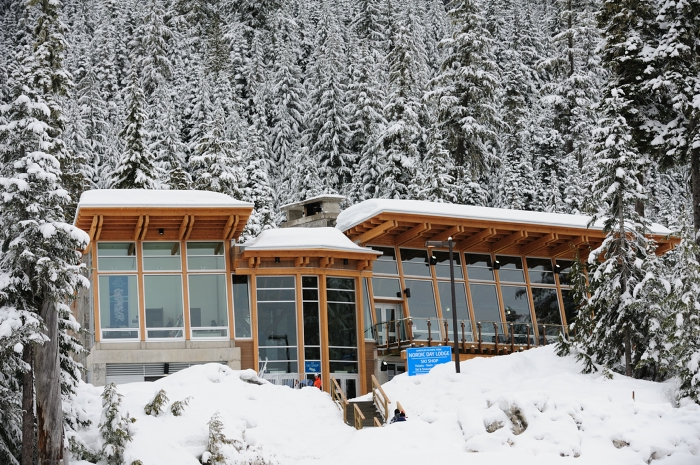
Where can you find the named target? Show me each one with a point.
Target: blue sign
(421, 359)
(312, 367)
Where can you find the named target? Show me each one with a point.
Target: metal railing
(380, 399)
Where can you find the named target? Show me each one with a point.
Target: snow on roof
(306, 239)
(318, 198)
(157, 198)
(363, 211)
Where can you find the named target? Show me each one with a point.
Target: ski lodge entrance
(339, 293)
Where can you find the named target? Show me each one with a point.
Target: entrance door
(348, 383)
(387, 315)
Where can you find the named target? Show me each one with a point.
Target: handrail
(339, 398)
(400, 407)
(359, 417)
(380, 399)
(377, 423)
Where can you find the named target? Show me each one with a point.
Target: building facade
(171, 287)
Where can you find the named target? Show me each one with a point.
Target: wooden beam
(301, 261)
(362, 265)
(451, 232)
(227, 227)
(664, 247)
(327, 261)
(138, 228)
(374, 233)
(411, 233)
(144, 230)
(233, 228)
(507, 241)
(253, 262)
(475, 239)
(568, 246)
(189, 227)
(99, 227)
(183, 227)
(93, 227)
(538, 244)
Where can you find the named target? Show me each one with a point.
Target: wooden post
(464, 347)
(528, 337)
(430, 334)
(495, 336)
(512, 339)
(447, 332)
(478, 326)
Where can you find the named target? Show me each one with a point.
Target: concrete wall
(159, 352)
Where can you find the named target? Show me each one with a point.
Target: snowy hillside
(565, 417)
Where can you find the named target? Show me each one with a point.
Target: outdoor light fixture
(277, 259)
(161, 231)
(345, 261)
(557, 268)
(407, 292)
(496, 265)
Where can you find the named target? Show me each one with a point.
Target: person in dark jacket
(397, 415)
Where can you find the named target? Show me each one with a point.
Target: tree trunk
(49, 411)
(628, 353)
(28, 435)
(695, 191)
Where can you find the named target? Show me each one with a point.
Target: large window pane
(116, 256)
(119, 308)
(479, 267)
(516, 304)
(421, 307)
(241, 307)
(385, 287)
(272, 282)
(564, 268)
(208, 305)
(485, 302)
(164, 308)
(161, 256)
(546, 304)
(540, 270)
(205, 256)
(442, 268)
(444, 288)
(369, 321)
(511, 269)
(570, 306)
(386, 263)
(277, 324)
(342, 326)
(414, 262)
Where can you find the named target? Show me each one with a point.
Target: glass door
(348, 384)
(387, 316)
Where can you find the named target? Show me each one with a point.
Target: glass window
(116, 256)
(479, 267)
(164, 308)
(277, 325)
(421, 307)
(570, 306)
(205, 256)
(485, 302)
(564, 268)
(342, 321)
(312, 325)
(208, 305)
(119, 309)
(510, 269)
(386, 263)
(384, 287)
(442, 268)
(546, 304)
(342, 360)
(414, 262)
(241, 307)
(445, 291)
(369, 321)
(161, 256)
(516, 304)
(540, 270)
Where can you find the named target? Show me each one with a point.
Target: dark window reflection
(485, 302)
(442, 269)
(386, 263)
(540, 270)
(479, 267)
(516, 304)
(414, 262)
(564, 269)
(511, 269)
(546, 306)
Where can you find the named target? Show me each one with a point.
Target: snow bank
(531, 408)
(363, 211)
(305, 239)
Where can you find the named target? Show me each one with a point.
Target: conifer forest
(570, 106)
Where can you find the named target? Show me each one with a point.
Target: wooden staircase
(369, 412)
(363, 413)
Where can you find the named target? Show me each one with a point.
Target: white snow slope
(570, 417)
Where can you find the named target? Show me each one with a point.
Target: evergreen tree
(466, 88)
(136, 168)
(627, 260)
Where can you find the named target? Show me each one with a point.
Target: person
(402, 417)
(317, 381)
(397, 415)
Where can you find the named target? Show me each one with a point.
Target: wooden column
(185, 291)
(323, 321)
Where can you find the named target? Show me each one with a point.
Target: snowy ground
(570, 418)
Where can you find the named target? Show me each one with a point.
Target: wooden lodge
(173, 286)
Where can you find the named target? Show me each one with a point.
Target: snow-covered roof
(363, 211)
(157, 198)
(305, 239)
(318, 198)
